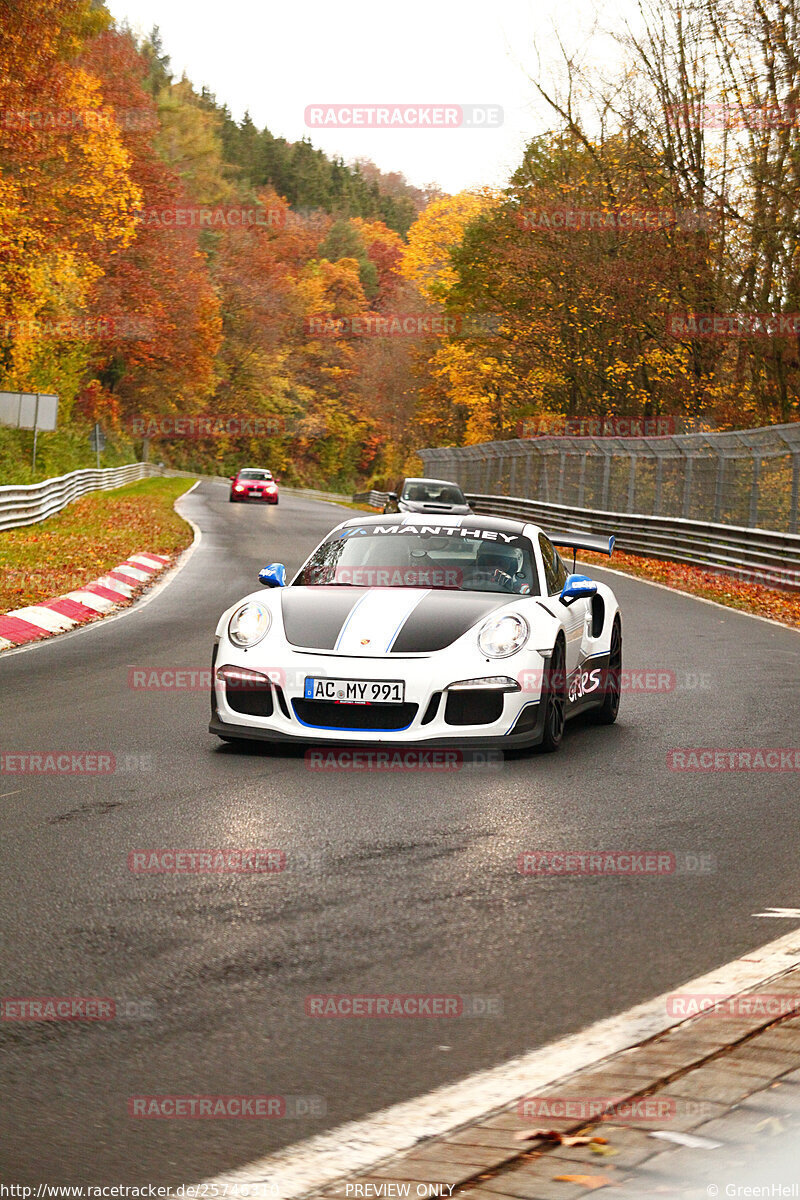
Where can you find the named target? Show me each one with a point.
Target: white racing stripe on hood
(379, 615)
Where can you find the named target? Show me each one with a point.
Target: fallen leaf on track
(553, 1135)
(589, 1181)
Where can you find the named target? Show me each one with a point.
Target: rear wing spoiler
(600, 543)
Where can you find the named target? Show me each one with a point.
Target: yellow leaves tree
(66, 197)
(434, 235)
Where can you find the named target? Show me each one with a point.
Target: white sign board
(28, 410)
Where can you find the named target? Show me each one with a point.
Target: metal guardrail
(756, 555)
(759, 555)
(311, 494)
(28, 504)
(376, 499)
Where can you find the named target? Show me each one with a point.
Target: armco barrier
(28, 504)
(376, 499)
(311, 494)
(761, 555)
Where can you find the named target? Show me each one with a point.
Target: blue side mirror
(273, 575)
(577, 587)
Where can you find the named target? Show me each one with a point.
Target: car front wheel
(554, 699)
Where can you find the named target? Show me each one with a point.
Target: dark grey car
(427, 496)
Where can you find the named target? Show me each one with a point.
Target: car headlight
(249, 624)
(503, 636)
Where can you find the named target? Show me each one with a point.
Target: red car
(253, 483)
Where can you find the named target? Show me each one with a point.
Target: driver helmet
(499, 558)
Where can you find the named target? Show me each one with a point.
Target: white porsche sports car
(407, 630)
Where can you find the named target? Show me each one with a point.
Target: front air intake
(477, 706)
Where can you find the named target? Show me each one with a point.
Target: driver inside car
(501, 566)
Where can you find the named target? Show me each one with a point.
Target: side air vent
(598, 615)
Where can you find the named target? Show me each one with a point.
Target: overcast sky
(276, 59)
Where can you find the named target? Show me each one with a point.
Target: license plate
(356, 691)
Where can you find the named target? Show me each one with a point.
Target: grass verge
(90, 537)
(747, 597)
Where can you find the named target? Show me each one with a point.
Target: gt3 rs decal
(583, 683)
(589, 682)
(377, 621)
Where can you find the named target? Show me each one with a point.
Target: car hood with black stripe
(373, 622)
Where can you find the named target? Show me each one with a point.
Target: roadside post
(97, 440)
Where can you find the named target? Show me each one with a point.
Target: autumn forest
(162, 262)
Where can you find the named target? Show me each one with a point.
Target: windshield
(433, 493)
(255, 475)
(469, 560)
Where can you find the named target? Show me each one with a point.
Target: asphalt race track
(402, 883)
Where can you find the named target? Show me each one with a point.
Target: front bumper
(519, 722)
(262, 497)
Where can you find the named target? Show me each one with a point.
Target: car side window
(561, 572)
(550, 565)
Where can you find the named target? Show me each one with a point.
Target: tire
(555, 700)
(606, 714)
